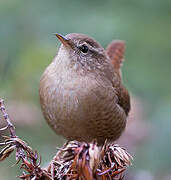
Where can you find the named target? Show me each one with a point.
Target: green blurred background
(27, 46)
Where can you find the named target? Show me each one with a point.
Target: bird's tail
(116, 50)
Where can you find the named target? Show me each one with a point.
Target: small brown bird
(81, 93)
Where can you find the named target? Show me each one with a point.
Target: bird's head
(81, 50)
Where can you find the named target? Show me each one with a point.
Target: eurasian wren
(81, 92)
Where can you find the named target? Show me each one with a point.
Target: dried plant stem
(9, 126)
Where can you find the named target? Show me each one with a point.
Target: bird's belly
(83, 112)
(69, 113)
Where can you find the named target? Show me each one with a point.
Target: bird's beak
(65, 41)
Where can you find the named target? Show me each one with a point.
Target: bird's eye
(83, 48)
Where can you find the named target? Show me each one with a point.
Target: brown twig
(9, 126)
(87, 161)
(28, 157)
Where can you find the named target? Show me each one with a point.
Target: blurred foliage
(28, 46)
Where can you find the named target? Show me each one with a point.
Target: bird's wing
(115, 50)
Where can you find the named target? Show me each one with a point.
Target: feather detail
(115, 50)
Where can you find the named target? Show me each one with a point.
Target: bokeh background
(27, 46)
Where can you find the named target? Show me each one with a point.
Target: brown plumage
(81, 93)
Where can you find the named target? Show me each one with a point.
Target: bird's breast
(65, 99)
